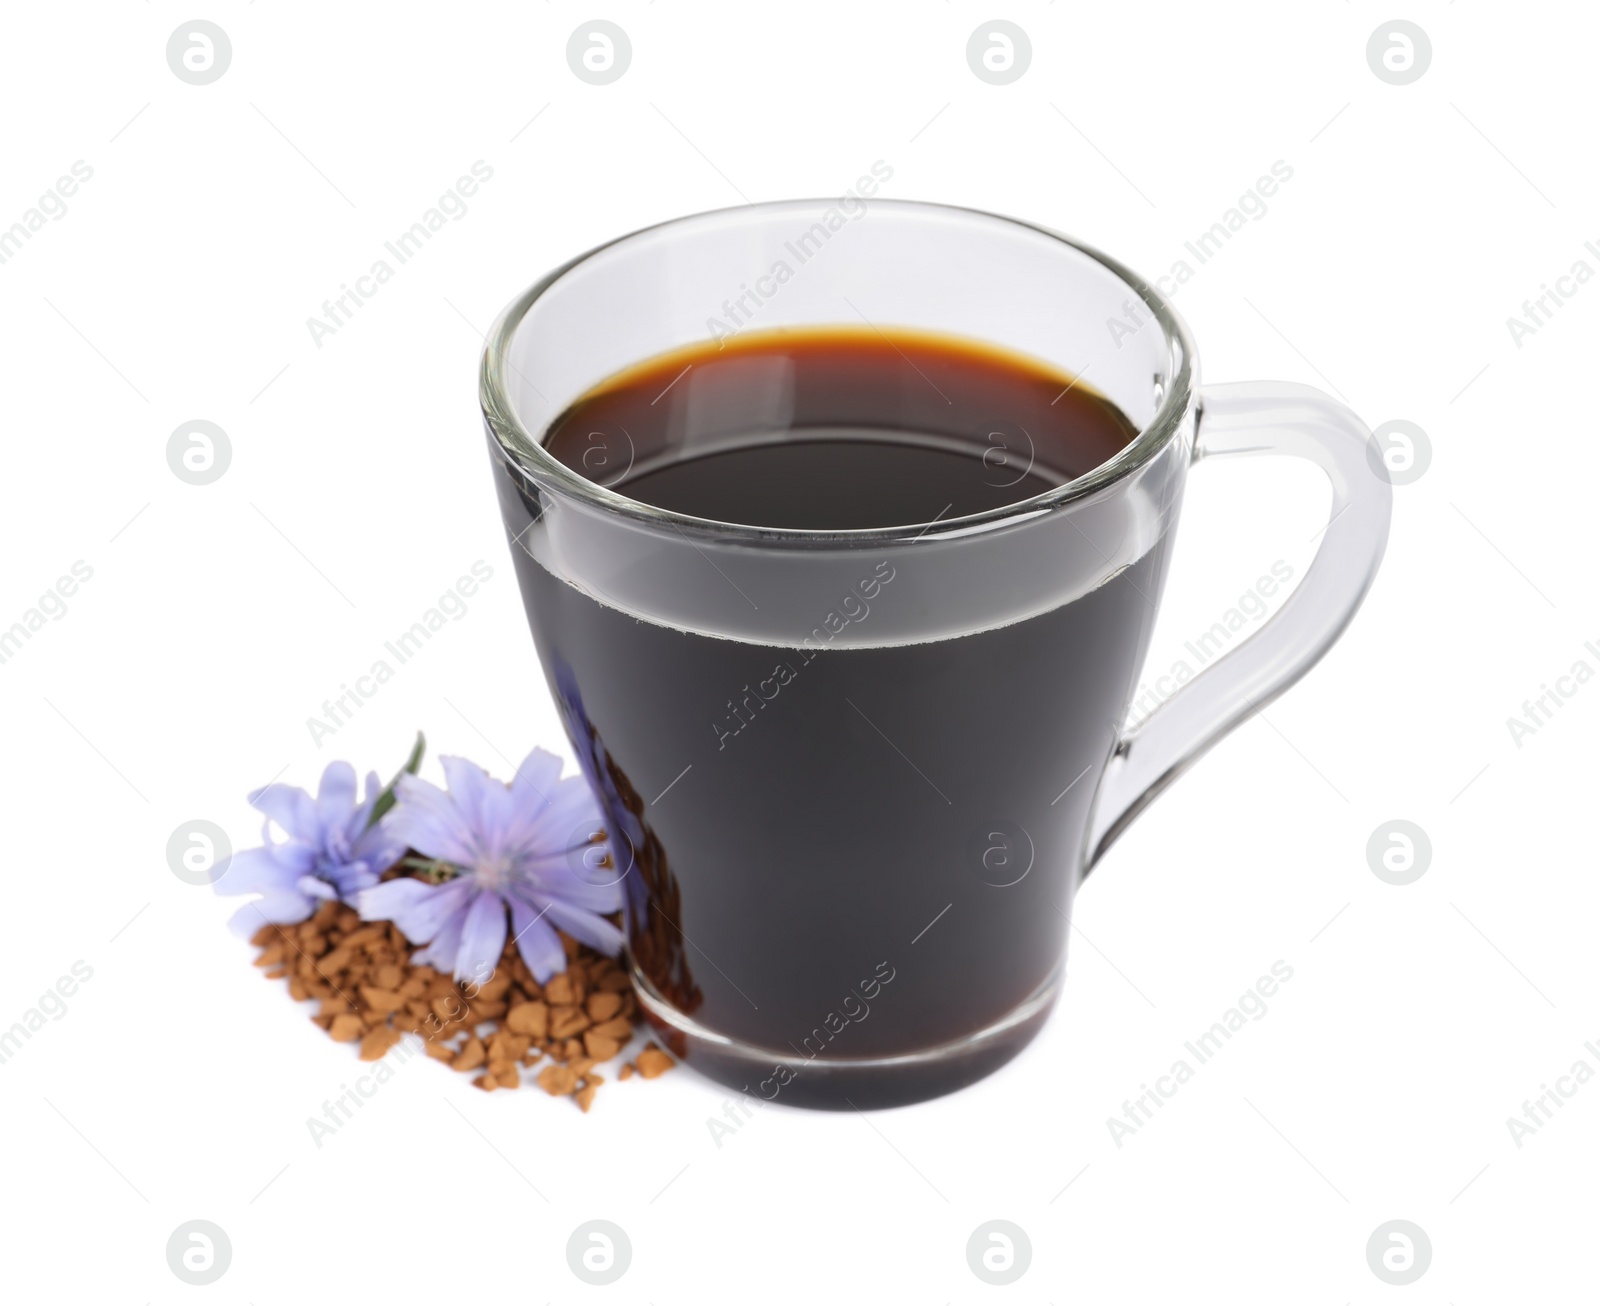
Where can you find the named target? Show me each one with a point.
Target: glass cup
(863, 898)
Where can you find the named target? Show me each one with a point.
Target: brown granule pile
(369, 992)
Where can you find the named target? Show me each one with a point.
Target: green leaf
(432, 869)
(386, 799)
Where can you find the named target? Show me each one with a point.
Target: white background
(219, 617)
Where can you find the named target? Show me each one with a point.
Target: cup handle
(1260, 417)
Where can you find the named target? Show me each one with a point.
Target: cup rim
(524, 450)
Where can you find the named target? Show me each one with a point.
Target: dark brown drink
(844, 852)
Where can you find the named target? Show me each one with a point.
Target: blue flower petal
(483, 938)
(537, 941)
(292, 809)
(292, 856)
(424, 818)
(336, 796)
(553, 824)
(536, 778)
(347, 882)
(377, 850)
(421, 910)
(486, 804)
(278, 907)
(312, 887)
(556, 877)
(585, 927)
(262, 870)
(441, 953)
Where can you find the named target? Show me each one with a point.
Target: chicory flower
(333, 850)
(520, 848)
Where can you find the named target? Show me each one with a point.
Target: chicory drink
(844, 852)
(838, 429)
